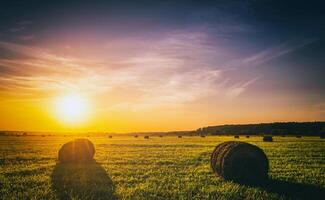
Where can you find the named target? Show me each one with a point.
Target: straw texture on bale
(268, 139)
(78, 150)
(240, 162)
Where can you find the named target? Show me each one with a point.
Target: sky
(160, 65)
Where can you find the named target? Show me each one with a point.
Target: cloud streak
(271, 53)
(177, 69)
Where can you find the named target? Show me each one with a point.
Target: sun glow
(72, 108)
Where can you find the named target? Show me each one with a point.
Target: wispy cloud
(35, 69)
(238, 88)
(26, 37)
(21, 26)
(320, 107)
(176, 69)
(271, 53)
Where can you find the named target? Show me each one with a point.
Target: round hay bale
(247, 136)
(202, 136)
(236, 136)
(160, 136)
(240, 162)
(298, 136)
(110, 136)
(179, 136)
(146, 137)
(136, 136)
(268, 139)
(78, 150)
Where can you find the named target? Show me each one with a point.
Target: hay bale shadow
(82, 181)
(293, 190)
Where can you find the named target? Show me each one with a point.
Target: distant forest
(278, 128)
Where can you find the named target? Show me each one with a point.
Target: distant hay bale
(160, 136)
(240, 162)
(179, 136)
(202, 136)
(283, 135)
(236, 136)
(146, 137)
(110, 136)
(78, 150)
(136, 136)
(268, 139)
(247, 136)
(298, 136)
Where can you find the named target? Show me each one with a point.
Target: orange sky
(40, 114)
(178, 81)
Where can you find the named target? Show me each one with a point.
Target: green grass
(155, 168)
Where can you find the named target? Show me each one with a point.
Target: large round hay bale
(78, 150)
(240, 162)
(268, 139)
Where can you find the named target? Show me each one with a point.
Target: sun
(72, 107)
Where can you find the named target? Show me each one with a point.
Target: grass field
(155, 168)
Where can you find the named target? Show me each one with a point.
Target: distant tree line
(278, 128)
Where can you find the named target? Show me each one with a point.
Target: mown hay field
(155, 168)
